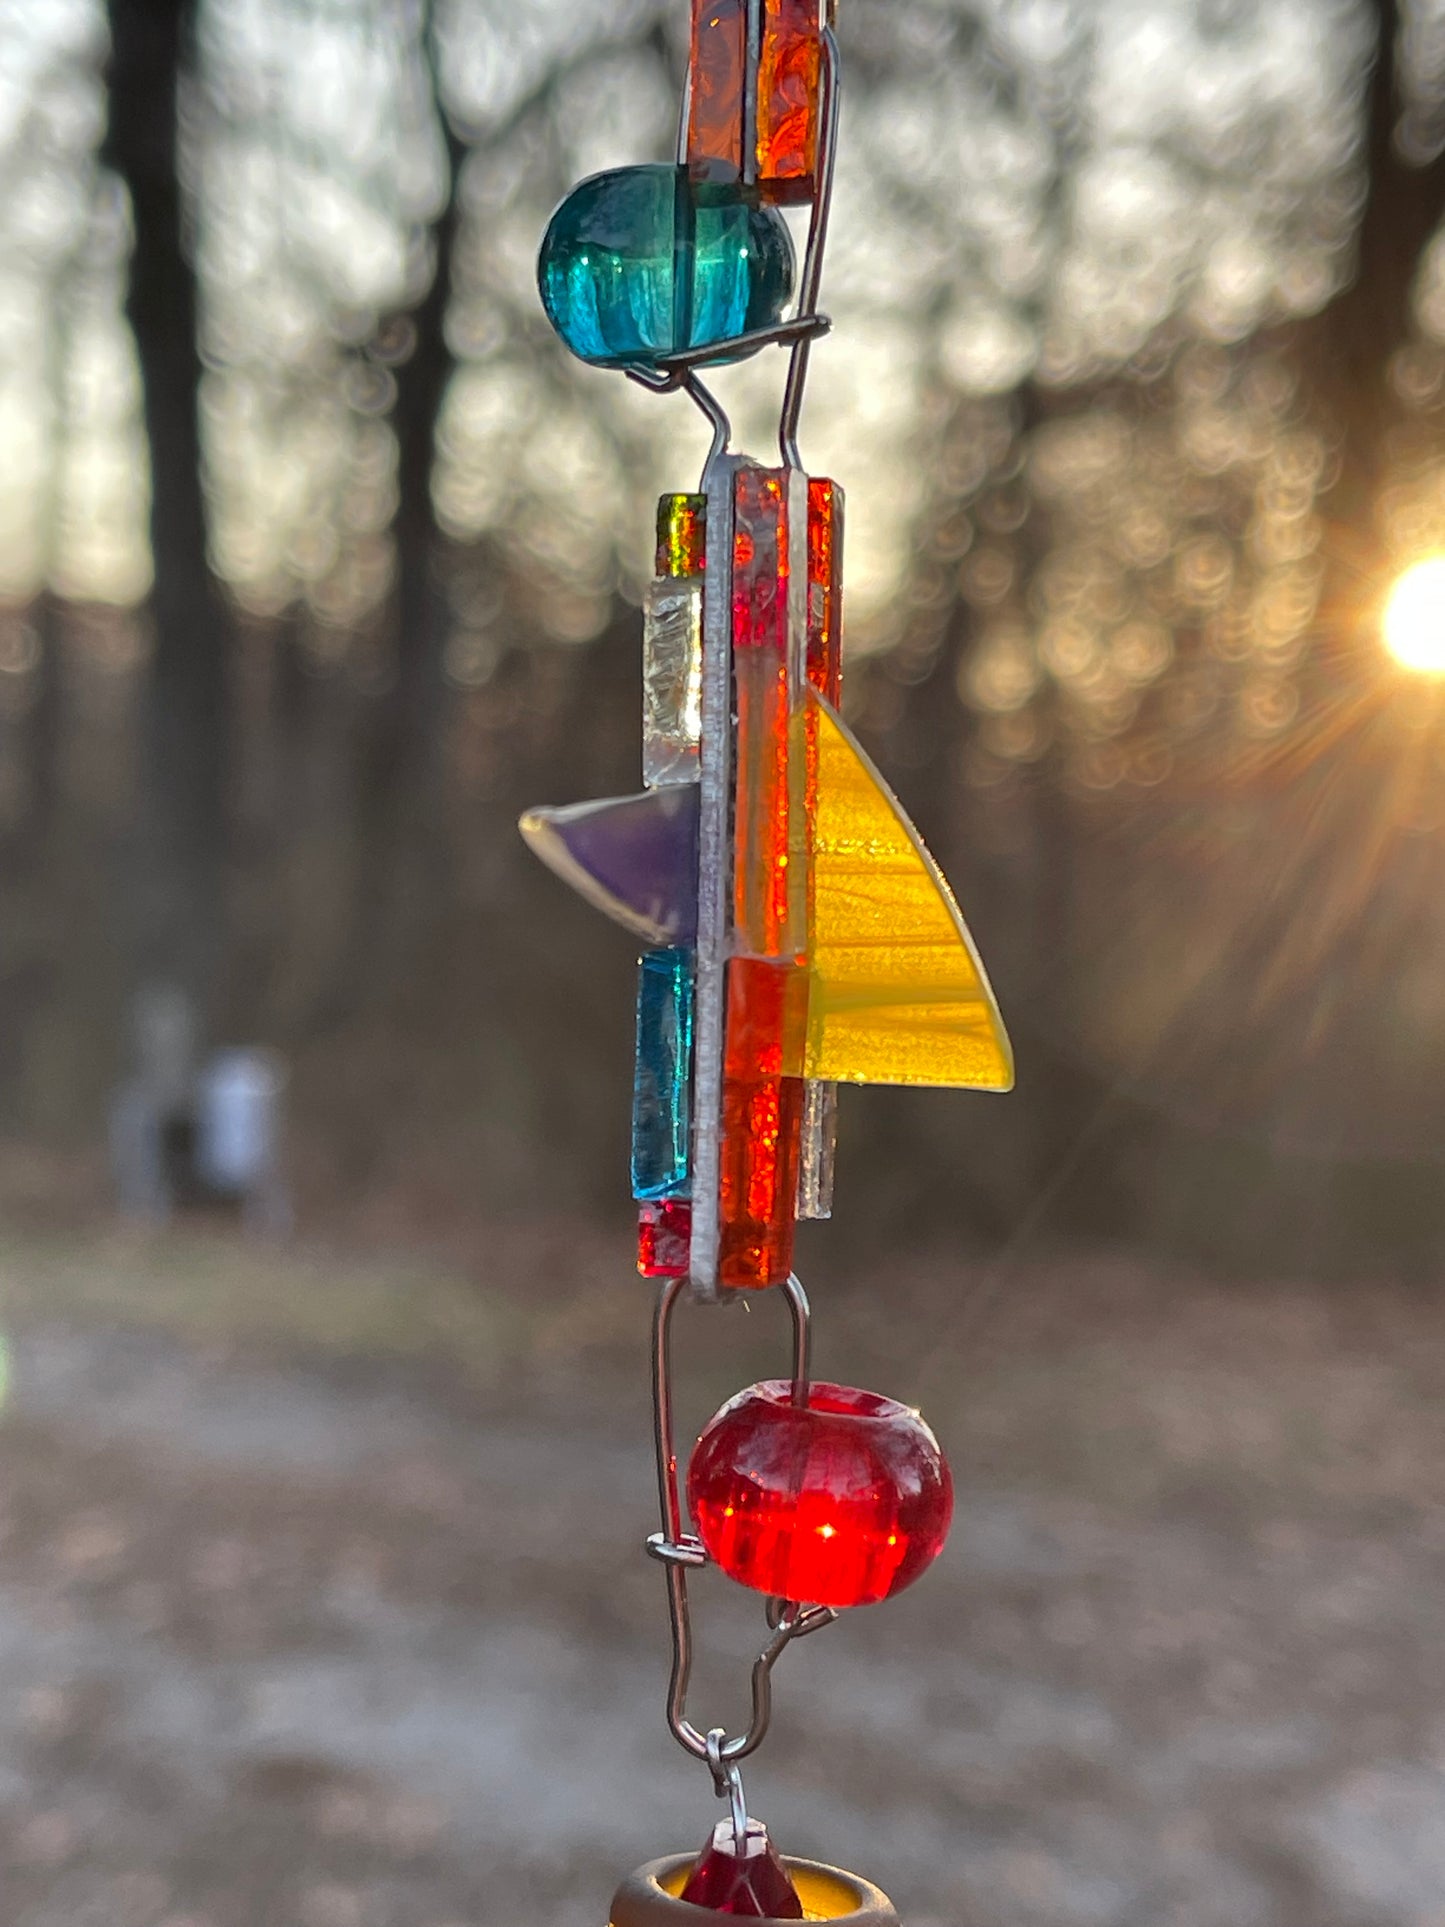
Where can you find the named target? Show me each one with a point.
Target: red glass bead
(664, 1238)
(744, 1876)
(840, 1502)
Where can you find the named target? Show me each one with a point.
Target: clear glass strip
(671, 682)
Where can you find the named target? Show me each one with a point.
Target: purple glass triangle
(634, 857)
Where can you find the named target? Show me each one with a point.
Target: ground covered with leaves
(322, 1600)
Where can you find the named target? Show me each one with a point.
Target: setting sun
(1414, 621)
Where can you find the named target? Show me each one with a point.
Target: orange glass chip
(789, 67)
(717, 72)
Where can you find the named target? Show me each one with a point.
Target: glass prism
(671, 681)
(743, 1877)
(637, 264)
(660, 1110)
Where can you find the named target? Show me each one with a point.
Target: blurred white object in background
(238, 1099)
(188, 1134)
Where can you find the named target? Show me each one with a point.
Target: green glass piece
(681, 534)
(638, 264)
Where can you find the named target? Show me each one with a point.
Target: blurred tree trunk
(405, 870)
(1349, 345)
(176, 907)
(421, 604)
(406, 742)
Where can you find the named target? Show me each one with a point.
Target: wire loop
(727, 1779)
(787, 1619)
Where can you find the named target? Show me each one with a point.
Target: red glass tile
(664, 1238)
(789, 66)
(841, 1502)
(716, 74)
(761, 1114)
(744, 1876)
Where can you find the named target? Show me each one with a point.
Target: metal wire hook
(679, 372)
(722, 428)
(678, 1551)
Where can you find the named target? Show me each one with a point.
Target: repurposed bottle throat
(798, 934)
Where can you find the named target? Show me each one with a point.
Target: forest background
(320, 560)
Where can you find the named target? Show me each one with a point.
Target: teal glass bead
(637, 264)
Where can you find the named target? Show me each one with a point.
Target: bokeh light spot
(1414, 622)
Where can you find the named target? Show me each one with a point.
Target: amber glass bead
(744, 1876)
(839, 1502)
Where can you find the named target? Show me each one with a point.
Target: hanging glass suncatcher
(798, 934)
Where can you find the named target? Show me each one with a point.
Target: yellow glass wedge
(896, 992)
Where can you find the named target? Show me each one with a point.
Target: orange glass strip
(769, 822)
(761, 1117)
(716, 78)
(825, 588)
(789, 66)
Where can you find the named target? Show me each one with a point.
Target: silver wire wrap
(787, 1619)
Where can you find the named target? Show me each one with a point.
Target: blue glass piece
(634, 857)
(639, 263)
(660, 1088)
